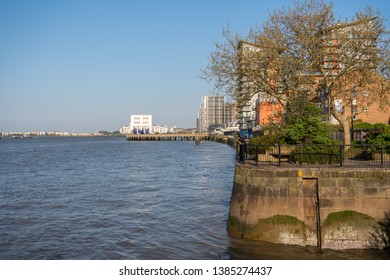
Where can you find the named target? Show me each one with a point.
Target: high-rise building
(215, 113)
(231, 114)
(211, 112)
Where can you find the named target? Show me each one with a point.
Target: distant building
(125, 130)
(215, 113)
(231, 114)
(211, 112)
(160, 129)
(141, 124)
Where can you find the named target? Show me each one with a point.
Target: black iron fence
(324, 155)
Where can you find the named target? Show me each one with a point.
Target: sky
(87, 65)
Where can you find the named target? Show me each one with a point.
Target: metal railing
(324, 155)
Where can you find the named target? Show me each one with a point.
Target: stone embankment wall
(329, 207)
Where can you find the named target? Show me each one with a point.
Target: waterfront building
(159, 129)
(125, 130)
(230, 115)
(247, 93)
(354, 103)
(358, 99)
(211, 112)
(214, 113)
(141, 124)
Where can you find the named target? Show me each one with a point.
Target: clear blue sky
(77, 65)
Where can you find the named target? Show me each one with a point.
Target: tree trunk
(347, 133)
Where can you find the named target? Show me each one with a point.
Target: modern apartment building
(358, 98)
(211, 112)
(231, 114)
(214, 112)
(353, 102)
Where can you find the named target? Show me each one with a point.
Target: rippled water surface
(107, 198)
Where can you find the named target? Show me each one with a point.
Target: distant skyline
(86, 66)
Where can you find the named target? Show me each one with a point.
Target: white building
(160, 129)
(141, 124)
(125, 130)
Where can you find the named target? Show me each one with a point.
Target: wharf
(170, 137)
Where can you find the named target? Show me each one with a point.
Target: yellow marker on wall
(300, 173)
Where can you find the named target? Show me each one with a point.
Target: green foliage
(303, 122)
(264, 143)
(380, 126)
(313, 154)
(363, 125)
(380, 139)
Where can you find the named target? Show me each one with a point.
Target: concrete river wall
(336, 208)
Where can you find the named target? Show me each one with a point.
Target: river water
(107, 198)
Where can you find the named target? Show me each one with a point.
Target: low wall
(329, 207)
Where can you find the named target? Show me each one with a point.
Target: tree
(305, 50)
(304, 122)
(300, 122)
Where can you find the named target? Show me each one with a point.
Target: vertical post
(237, 146)
(242, 155)
(353, 96)
(257, 153)
(318, 217)
(341, 155)
(279, 154)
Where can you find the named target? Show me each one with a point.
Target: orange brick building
(267, 110)
(360, 105)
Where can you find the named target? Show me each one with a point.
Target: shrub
(264, 143)
(380, 139)
(317, 154)
(363, 125)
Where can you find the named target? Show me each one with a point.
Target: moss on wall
(277, 229)
(348, 218)
(347, 229)
(233, 227)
